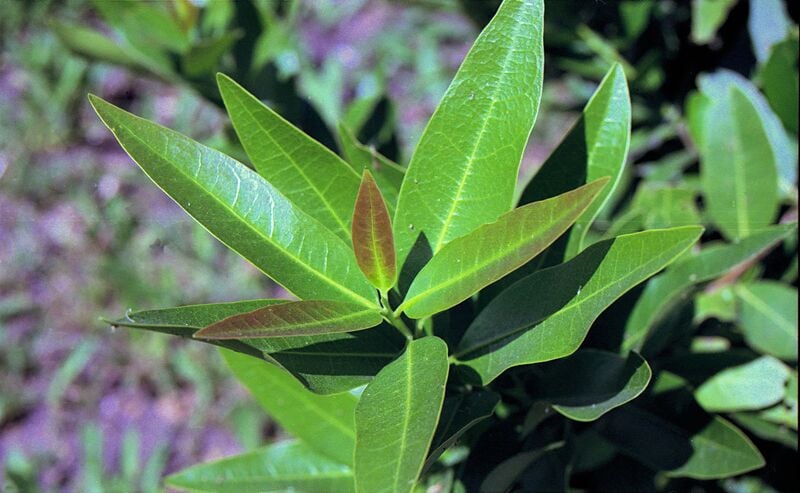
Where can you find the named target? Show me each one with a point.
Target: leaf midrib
(766, 310)
(314, 323)
(314, 273)
(406, 417)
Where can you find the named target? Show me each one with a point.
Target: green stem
(394, 319)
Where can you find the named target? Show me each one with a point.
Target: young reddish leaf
(296, 318)
(373, 240)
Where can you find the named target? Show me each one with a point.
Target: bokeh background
(84, 234)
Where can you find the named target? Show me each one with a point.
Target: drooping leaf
(460, 413)
(288, 465)
(388, 174)
(663, 291)
(765, 430)
(707, 17)
(716, 450)
(595, 147)
(242, 210)
(303, 170)
(325, 423)
(396, 418)
(373, 240)
(295, 318)
(589, 383)
(512, 331)
(754, 385)
(467, 264)
(768, 318)
(464, 170)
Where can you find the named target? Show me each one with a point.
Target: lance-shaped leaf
(295, 318)
(289, 465)
(483, 256)
(663, 291)
(242, 210)
(589, 383)
(326, 423)
(754, 385)
(388, 174)
(768, 318)
(305, 171)
(373, 240)
(397, 416)
(514, 331)
(464, 170)
(596, 146)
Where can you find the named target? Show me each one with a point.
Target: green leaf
(595, 147)
(781, 83)
(664, 206)
(464, 170)
(325, 423)
(373, 240)
(467, 264)
(768, 318)
(95, 45)
(295, 318)
(707, 17)
(765, 430)
(283, 466)
(460, 413)
(512, 331)
(203, 57)
(589, 383)
(242, 210)
(754, 385)
(503, 477)
(388, 174)
(738, 167)
(768, 23)
(303, 170)
(664, 291)
(713, 450)
(397, 416)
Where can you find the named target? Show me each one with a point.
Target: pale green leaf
(768, 318)
(707, 17)
(768, 24)
(754, 385)
(397, 416)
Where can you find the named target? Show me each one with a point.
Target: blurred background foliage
(83, 233)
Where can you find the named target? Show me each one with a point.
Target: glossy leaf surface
(373, 240)
(755, 385)
(325, 423)
(283, 466)
(303, 170)
(768, 318)
(589, 383)
(464, 169)
(663, 291)
(512, 331)
(474, 261)
(242, 210)
(595, 147)
(295, 318)
(396, 418)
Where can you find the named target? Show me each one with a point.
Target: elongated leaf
(513, 331)
(503, 477)
(242, 210)
(295, 318)
(388, 174)
(589, 383)
(765, 430)
(283, 466)
(325, 423)
(95, 45)
(716, 450)
(754, 385)
(460, 413)
(373, 240)
(768, 318)
(303, 170)
(464, 170)
(397, 416)
(781, 82)
(595, 147)
(474, 261)
(663, 291)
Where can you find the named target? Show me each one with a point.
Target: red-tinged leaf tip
(373, 240)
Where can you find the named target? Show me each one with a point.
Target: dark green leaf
(467, 264)
(512, 331)
(397, 416)
(464, 170)
(203, 58)
(242, 210)
(779, 78)
(503, 477)
(768, 318)
(373, 240)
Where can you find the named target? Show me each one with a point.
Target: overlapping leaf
(242, 210)
(388, 174)
(464, 170)
(754, 385)
(483, 256)
(768, 318)
(512, 330)
(373, 240)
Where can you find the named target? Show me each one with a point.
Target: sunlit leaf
(754, 385)
(768, 318)
(373, 240)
